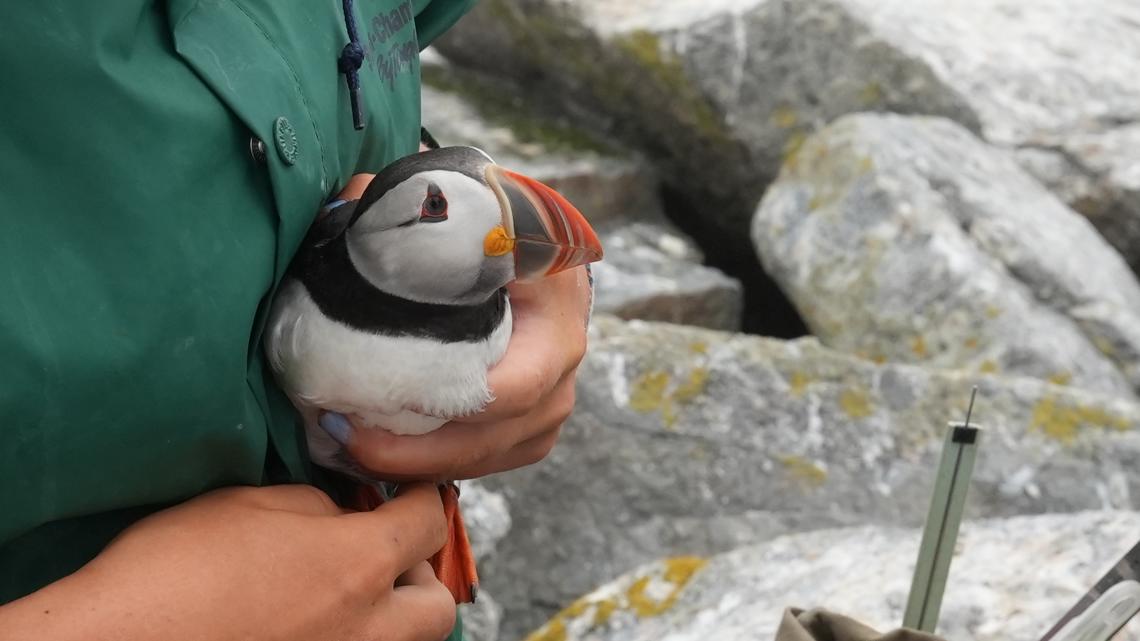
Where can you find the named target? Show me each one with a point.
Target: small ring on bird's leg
(452, 484)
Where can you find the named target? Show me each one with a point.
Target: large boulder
(1010, 579)
(908, 239)
(687, 441)
(651, 271)
(608, 183)
(1098, 174)
(719, 92)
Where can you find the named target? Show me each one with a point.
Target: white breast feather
(406, 385)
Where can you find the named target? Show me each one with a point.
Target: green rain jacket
(142, 242)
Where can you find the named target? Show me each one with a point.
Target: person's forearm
(282, 563)
(75, 608)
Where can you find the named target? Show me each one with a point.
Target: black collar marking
(345, 296)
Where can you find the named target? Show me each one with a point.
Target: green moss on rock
(496, 105)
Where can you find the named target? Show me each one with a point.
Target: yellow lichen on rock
(1061, 378)
(871, 94)
(577, 608)
(603, 610)
(650, 392)
(799, 383)
(692, 386)
(1104, 345)
(677, 573)
(918, 346)
(1063, 421)
(791, 151)
(680, 569)
(784, 117)
(650, 594)
(803, 470)
(554, 630)
(855, 403)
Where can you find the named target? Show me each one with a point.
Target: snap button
(257, 150)
(286, 138)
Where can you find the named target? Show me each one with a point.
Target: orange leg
(455, 564)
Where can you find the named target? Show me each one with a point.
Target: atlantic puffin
(395, 306)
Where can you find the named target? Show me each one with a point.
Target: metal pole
(947, 504)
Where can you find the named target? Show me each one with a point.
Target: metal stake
(959, 451)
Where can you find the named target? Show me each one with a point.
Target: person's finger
(300, 498)
(420, 573)
(437, 455)
(421, 609)
(410, 528)
(549, 340)
(526, 453)
(355, 187)
(534, 362)
(535, 448)
(457, 450)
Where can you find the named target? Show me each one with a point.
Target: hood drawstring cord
(349, 62)
(427, 139)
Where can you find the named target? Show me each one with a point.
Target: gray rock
(687, 441)
(720, 92)
(652, 272)
(486, 515)
(1098, 174)
(488, 519)
(605, 182)
(1010, 579)
(907, 239)
(483, 619)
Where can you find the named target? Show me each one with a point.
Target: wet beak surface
(550, 234)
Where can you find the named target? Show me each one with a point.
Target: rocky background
(825, 221)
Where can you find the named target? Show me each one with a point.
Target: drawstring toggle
(349, 62)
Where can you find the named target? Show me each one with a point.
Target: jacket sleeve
(433, 17)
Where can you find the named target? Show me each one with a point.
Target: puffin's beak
(546, 233)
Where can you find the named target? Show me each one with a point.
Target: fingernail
(336, 425)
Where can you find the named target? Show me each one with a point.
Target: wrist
(85, 605)
(57, 612)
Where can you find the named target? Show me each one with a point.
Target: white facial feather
(407, 385)
(430, 262)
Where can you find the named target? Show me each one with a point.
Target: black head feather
(468, 161)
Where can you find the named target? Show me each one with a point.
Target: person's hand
(533, 386)
(281, 563)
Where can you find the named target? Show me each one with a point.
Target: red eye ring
(434, 208)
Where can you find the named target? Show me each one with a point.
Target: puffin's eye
(434, 209)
